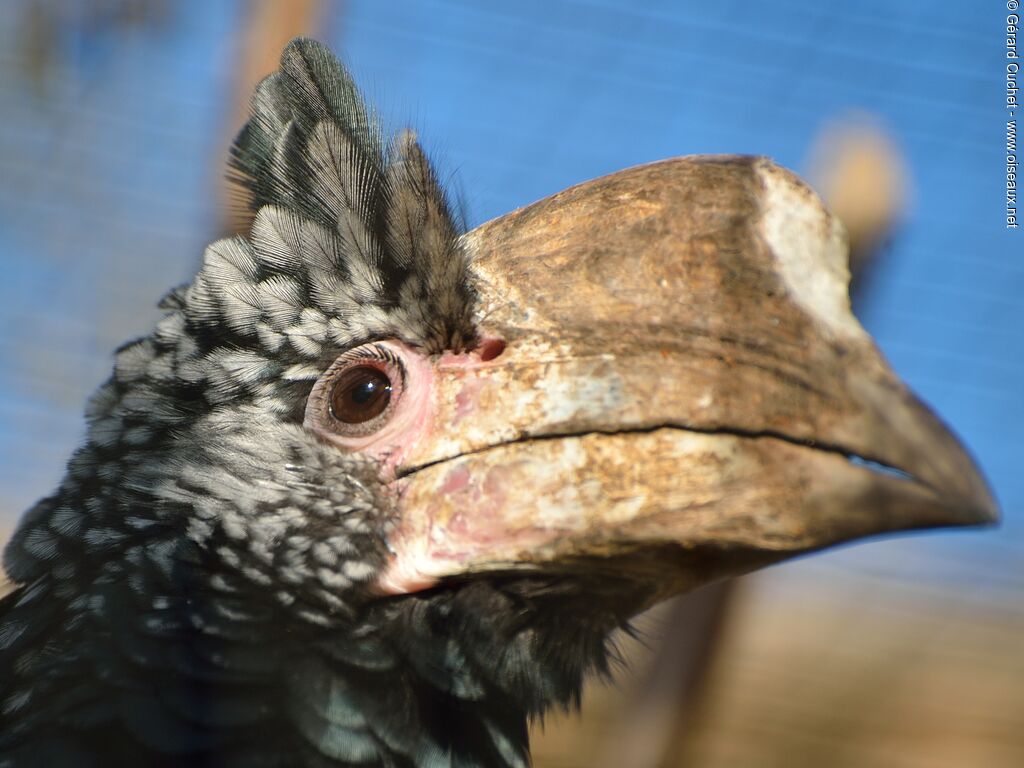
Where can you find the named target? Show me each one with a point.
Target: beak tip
(976, 508)
(977, 500)
(987, 512)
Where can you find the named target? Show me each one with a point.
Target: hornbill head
(375, 490)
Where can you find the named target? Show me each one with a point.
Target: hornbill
(375, 492)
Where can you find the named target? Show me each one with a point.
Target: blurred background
(116, 118)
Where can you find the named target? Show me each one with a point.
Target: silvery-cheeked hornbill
(374, 492)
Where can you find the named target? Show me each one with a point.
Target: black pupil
(360, 394)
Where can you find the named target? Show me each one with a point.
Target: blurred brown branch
(267, 26)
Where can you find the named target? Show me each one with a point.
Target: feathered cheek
(374, 400)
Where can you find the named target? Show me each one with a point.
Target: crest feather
(314, 151)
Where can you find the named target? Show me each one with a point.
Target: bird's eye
(372, 399)
(360, 394)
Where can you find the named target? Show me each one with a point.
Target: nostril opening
(490, 349)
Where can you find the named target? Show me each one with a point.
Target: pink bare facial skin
(420, 546)
(409, 420)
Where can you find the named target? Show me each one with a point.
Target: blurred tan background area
(820, 664)
(904, 653)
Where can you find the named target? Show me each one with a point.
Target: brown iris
(359, 394)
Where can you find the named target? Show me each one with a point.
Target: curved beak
(683, 391)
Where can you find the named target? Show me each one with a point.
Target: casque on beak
(683, 389)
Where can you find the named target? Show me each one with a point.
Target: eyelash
(374, 352)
